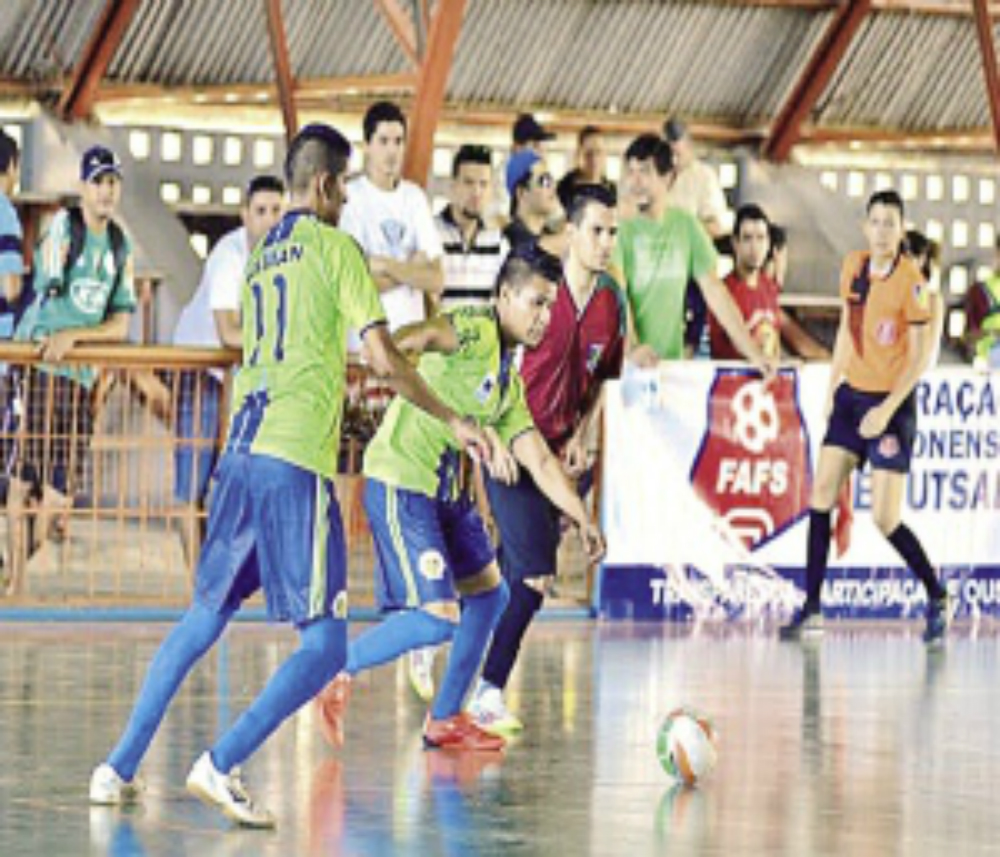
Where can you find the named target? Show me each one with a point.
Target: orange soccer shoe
(460, 732)
(331, 705)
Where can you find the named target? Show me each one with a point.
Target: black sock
(816, 557)
(521, 609)
(909, 548)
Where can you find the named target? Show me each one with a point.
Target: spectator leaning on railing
(83, 294)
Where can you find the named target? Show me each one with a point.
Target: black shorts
(528, 525)
(55, 424)
(893, 449)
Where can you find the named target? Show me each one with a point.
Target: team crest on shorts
(888, 446)
(753, 466)
(431, 565)
(340, 605)
(886, 332)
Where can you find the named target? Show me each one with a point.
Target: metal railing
(106, 474)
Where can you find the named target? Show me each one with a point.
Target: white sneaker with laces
(227, 793)
(490, 712)
(421, 669)
(109, 789)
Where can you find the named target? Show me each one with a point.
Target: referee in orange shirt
(885, 342)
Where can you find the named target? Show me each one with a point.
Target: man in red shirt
(756, 294)
(582, 348)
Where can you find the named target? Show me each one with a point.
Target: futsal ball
(686, 745)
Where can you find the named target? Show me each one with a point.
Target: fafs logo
(753, 466)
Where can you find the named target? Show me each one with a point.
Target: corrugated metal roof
(912, 72)
(710, 60)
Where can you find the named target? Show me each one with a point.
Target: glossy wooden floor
(861, 745)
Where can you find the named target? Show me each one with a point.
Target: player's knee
(327, 637)
(527, 595)
(499, 597)
(536, 584)
(886, 520)
(440, 620)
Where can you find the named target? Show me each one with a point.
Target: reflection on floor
(862, 744)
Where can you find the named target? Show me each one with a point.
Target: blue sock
(480, 614)
(190, 639)
(401, 632)
(320, 656)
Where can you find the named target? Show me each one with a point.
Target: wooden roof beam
(984, 31)
(282, 67)
(432, 80)
(402, 28)
(814, 78)
(78, 97)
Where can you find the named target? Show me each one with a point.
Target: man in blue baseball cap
(83, 294)
(533, 200)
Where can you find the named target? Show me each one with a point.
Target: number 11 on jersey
(264, 300)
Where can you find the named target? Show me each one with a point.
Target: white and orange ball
(687, 745)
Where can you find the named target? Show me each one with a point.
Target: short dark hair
(264, 184)
(888, 198)
(779, 238)
(316, 149)
(379, 112)
(9, 152)
(918, 244)
(471, 154)
(649, 147)
(585, 195)
(528, 261)
(587, 132)
(751, 212)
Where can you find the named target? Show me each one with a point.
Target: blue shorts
(198, 397)
(529, 525)
(422, 545)
(892, 450)
(274, 526)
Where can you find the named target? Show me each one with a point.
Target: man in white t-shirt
(695, 185)
(391, 219)
(211, 319)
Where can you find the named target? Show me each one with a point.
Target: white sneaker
(490, 712)
(421, 668)
(226, 793)
(109, 789)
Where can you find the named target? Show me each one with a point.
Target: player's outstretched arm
(436, 334)
(391, 366)
(724, 308)
(532, 452)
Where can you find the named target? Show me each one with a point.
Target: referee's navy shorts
(892, 450)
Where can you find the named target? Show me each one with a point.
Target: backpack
(78, 238)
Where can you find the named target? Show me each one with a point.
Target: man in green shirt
(431, 544)
(275, 523)
(657, 253)
(83, 294)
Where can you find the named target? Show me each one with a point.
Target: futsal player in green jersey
(432, 548)
(275, 523)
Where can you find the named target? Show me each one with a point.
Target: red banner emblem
(753, 467)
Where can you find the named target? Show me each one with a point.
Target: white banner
(707, 468)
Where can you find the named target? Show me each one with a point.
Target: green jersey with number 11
(306, 284)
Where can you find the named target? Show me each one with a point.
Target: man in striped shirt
(473, 251)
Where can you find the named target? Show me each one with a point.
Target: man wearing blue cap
(83, 294)
(533, 200)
